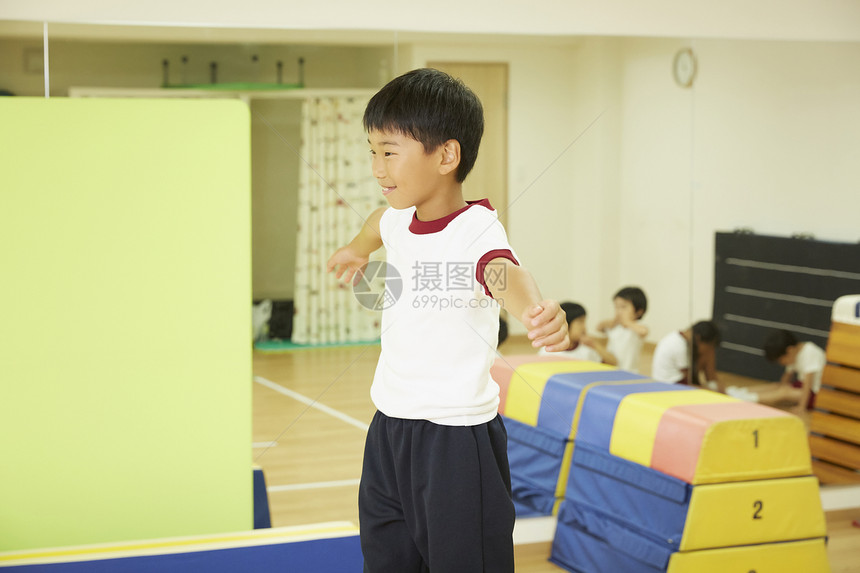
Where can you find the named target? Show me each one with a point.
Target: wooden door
(489, 177)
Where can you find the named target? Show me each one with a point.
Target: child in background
(582, 346)
(435, 490)
(624, 332)
(672, 356)
(804, 364)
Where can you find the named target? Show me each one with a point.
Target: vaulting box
(504, 366)
(844, 337)
(540, 414)
(525, 401)
(686, 518)
(580, 545)
(807, 555)
(695, 435)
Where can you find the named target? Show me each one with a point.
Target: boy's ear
(450, 151)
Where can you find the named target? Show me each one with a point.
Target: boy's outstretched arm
(349, 259)
(517, 292)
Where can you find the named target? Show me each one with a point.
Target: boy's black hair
(431, 107)
(776, 344)
(572, 311)
(636, 296)
(706, 331)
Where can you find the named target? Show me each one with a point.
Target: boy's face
(405, 171)
(577, 329)
(624, 309)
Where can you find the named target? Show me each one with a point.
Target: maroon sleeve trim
(485, 260)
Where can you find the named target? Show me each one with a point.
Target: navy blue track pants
(436, 498)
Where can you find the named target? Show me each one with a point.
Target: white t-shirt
(671, 358)
(810, 359)
(626, 346)
(579, 352)
(439, 338)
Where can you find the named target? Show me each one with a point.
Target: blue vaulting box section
(540, 444)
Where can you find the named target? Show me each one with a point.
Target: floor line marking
(257, 445)
(310, 402)
(314, 485)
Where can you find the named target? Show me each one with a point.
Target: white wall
(767, 138)
(655, 170)
(788, 19)
(638, 198)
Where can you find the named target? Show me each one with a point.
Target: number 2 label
(758, 505)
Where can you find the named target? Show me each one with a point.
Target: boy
(804, 364)
(624, 332)
(435, 491)
(582, 346)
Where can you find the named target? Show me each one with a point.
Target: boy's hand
(346, 263)
(547, 326)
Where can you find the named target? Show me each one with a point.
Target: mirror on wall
(775, 126)
(616, 160)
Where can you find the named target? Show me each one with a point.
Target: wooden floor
(311, 410)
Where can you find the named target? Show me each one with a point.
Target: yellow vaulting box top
(525, 391)
(702, 437)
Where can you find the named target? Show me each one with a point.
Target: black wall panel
(762, 283)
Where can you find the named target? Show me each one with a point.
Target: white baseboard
(534, 529)
(835, 497)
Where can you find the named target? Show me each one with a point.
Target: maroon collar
(427, 227)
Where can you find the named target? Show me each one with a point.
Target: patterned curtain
(336, 193)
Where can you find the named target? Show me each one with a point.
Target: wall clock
(684, 67)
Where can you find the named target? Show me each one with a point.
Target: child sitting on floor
(679, 349)
(624, 332)
(582, 346)
(804, 363)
